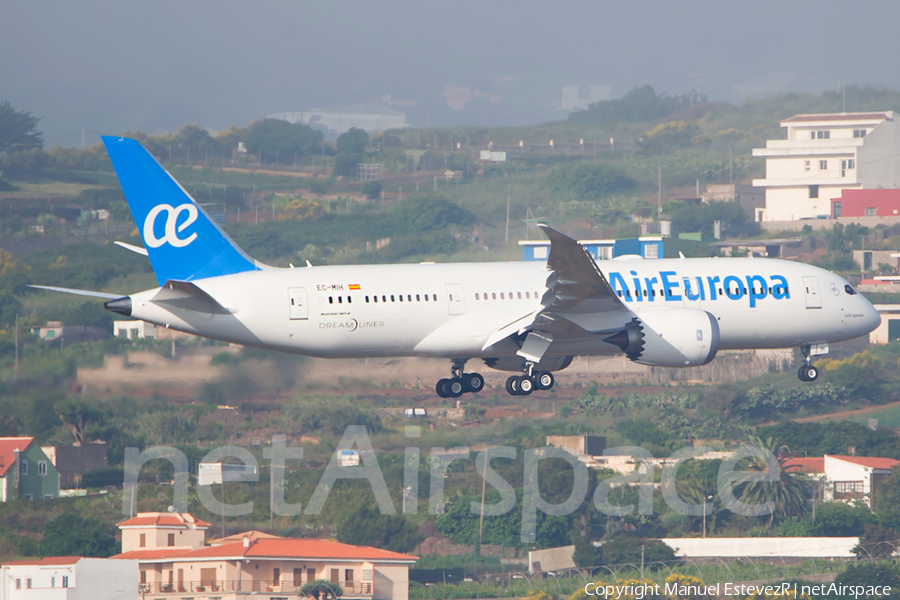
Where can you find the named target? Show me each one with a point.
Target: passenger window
(340, 299)
(476, 296)
(418, 298)
(392, 298)
(527, 295)
(426, 297)
(409, 297)
(367, 299)
(330, 300)
(628, 293)
(384, 298)
(519, 295)
(349, 299)
(401, 297)
(849, 289)
(434, 297)
(502, 296)
(494, 295)
(620, 294)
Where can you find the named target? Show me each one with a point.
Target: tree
(366, 526)
(589, 181)
(353, 141)
(877, 541)
(70, 534)
(586, 554)
(321, 588)
(277, 140)
(372, 189)
(76, 415)
(18, 129)
(624, 550)
(787, 493)
(418, 214)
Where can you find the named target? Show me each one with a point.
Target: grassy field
(49, 188)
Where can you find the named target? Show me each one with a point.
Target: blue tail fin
(181, 239)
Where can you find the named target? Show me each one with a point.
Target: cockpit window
(849, 289)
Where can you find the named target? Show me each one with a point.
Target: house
(646, 246)
(133, 330)
(174, 561)
(66, 335)
(369, 116)
(844, 478)
(72, 462)
(823, 155)
(889, 330)
(25, 471)
(70, 578)
(866, 203)
(752, 199)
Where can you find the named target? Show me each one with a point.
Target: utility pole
(16, 369)
(659, 195)
(508, 186)
(730, 165)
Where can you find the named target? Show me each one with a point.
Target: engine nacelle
(669, 337)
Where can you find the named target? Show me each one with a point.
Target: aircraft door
(299, 308)
(813, 299)
(456, 299)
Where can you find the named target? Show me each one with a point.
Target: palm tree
(787, 493)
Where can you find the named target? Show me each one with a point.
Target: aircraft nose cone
(873, 318)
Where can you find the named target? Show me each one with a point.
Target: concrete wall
(552, 559)
(88, 579)
(870, 222)
(799, 547)
(879, 157)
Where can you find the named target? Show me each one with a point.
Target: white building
(579, 97)
(823, 155)
(133, 330)
(845, 478)
(371, 117)
(70, 578)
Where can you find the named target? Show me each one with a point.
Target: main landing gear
(530, 380)
(807, 372)
(459, 383)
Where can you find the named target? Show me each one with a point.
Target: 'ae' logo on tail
(172, 228)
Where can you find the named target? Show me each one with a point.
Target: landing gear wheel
(808, 373)
(455, 387)
(441, 388)
(526, 385)
(512, 386)
(545, 380)
(473, 382)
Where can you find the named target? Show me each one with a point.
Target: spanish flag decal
(354, 286)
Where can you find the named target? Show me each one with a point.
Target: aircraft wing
(578, 300)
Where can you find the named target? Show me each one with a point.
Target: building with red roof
(844, 478)
(25, 471)
(175, 560)
(69, 578)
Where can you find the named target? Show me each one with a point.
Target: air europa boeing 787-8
(528, 317)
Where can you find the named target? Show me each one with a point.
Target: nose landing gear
(530, 380)
(459, 383)
(807, 372)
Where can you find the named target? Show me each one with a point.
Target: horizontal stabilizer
(77, 292)
(135, 249)
(188, 296)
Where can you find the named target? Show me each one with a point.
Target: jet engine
(669, 337)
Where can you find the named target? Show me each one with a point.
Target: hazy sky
(112, 66)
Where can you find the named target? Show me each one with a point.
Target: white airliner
(528, 317)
